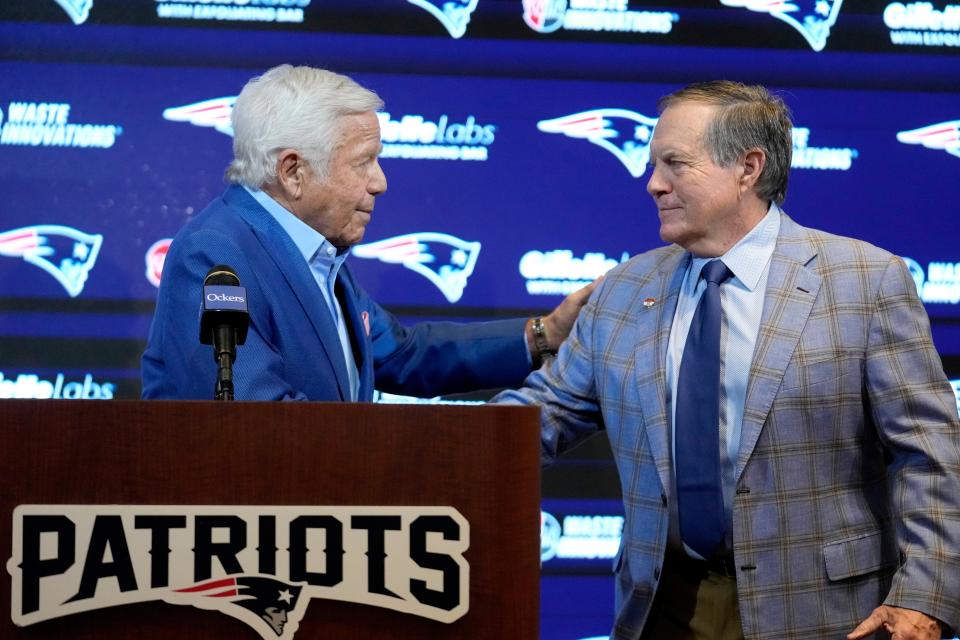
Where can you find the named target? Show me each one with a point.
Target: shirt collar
(749, 257)
(311, 243)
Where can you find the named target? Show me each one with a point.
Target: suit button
(663, 499)
(656, 573)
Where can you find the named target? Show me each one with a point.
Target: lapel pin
(649, 302)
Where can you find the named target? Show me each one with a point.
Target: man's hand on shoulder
(902, 624)
(555, 327)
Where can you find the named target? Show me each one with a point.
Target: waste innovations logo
(444, 260)
(943, 136)
(47, 124)
(155, 257)
(822, 158)
(454, 15)
(559, 272)
(547, 16)
(579, 537)
(32, 386)
(78, 10)
(626, 134)
(206, 113)
(939, 283)
(259, 564)
(812, 18)
(290, 11)
(65, 253)
(414, 137)
(921, 24)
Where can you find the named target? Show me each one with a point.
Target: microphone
(223, 323)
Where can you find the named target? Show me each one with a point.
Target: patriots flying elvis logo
(64, 252)
(275, 606)
(812, 18)
(454, 15)
(207, 113)
(78, 10)
(943, 135)
(626, 134)
(444, 260)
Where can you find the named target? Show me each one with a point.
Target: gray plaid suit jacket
(848, 478)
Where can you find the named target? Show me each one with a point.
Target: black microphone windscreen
(221, 275)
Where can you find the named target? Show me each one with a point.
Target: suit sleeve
(175, 364)
(565, 388)
(914, 409)
(435, 358)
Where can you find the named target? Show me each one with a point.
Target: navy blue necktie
(697, 426)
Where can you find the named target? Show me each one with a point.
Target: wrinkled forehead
(682, 126)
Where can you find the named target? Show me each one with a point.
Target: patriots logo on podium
(626, 134)
(812, 18)
(444, 260)
(64, 252)
(454, 15)
(272, 607)
(943, 135)
(208, 113)
(78, 10)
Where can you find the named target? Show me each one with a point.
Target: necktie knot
(715, 272)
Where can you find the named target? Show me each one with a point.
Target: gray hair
(749, 117)
(291, 108)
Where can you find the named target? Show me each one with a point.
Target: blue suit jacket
(848, 476)
(293, 350)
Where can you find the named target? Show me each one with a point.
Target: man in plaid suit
(837, 441)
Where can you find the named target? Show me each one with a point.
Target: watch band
(540, 340)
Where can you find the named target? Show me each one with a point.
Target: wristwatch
(540, 340)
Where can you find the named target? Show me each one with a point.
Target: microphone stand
(226, 342)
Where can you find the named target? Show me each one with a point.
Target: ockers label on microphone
(223, 298)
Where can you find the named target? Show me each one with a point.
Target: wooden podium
(483, 461)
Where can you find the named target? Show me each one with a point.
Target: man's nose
(378, 183)
(656, 185)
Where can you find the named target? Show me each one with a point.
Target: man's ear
(754, 160)
(291, 174)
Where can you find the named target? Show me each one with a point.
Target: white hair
(291, 108)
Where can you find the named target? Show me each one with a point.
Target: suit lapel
(651, 355)
(284, 253)
(359, 330)
(791, 291)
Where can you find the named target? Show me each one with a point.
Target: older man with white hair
(304, 180)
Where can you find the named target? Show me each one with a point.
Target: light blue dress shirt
(324, 261)
(741, 299)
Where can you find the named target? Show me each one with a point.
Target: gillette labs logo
(823, 158)
(413, 137)
(939, 284)
(579, 537)
(32, 386)
(921, 24)
(559, 272)
(233, 10)
(546, 16)
(812, 18)
(47, 124)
